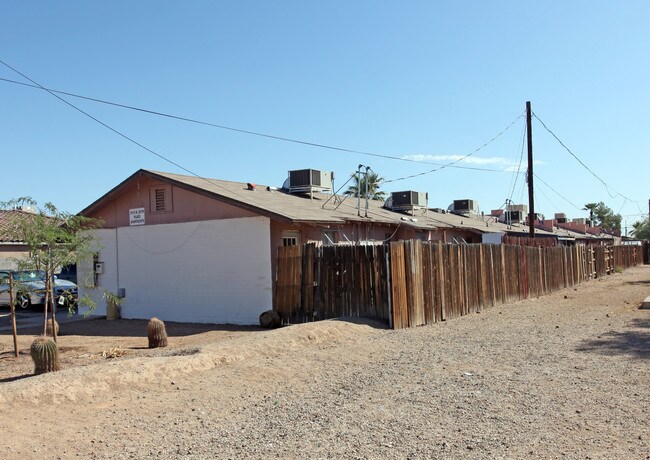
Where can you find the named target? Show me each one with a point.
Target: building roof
(318, 207)
(7, 221)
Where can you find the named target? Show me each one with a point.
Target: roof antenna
(359, 191)
(367, 169)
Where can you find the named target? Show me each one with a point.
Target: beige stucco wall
(9, 252)
(186, 206)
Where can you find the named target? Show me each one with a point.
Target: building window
(160, 198)
(328, 237)
(290, 238)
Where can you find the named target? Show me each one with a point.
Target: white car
(29, 286)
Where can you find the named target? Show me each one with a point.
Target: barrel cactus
(270, 319)
(156, 333)
(48, 328)
(45, 355)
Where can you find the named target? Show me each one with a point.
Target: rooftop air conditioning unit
(518, 207)
(409, 198)
(29, 209)
(512, 216)
(560, 215)
(305, 179)
(465, 205)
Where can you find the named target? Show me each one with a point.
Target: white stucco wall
(215, 271)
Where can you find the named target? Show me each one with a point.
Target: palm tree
(641, 229)
(374, 182)
(591, 207)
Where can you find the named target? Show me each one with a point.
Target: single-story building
(187, 248)
(10, 249)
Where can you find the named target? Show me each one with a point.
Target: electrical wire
(230, 128)
(452, 164)
(555, 191)
(547, 198)
(459, 159)
(607, 187)
(521, 158)
(215, 125)
(119, 133)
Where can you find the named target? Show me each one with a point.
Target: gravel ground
(562, 376)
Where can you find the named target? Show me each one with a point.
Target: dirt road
(563, 376)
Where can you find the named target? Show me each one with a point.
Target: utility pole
(531, 198)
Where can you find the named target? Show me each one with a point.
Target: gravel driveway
(563, 376)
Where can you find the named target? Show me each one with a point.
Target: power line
(607, 187)
(113, 129)
(452, 164)
(547, 198)
(521, 156)
(255, 133)
(555, 191)
(459, 159)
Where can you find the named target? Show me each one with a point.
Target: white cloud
(449, 158)
(508, 165)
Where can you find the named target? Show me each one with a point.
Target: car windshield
(35, 275)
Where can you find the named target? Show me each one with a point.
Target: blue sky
(429, 81)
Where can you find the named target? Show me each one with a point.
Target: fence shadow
(634, 341)
(638, 283)
(373, 323)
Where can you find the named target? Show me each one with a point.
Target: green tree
(359, 186)
(54, 239)
(641, 229)
(602, 216)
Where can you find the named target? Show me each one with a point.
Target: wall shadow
(633, 341)
(100, 327)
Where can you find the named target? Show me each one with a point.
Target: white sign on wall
(136, 216)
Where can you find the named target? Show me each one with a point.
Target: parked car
(69, 273)
(30, 289)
